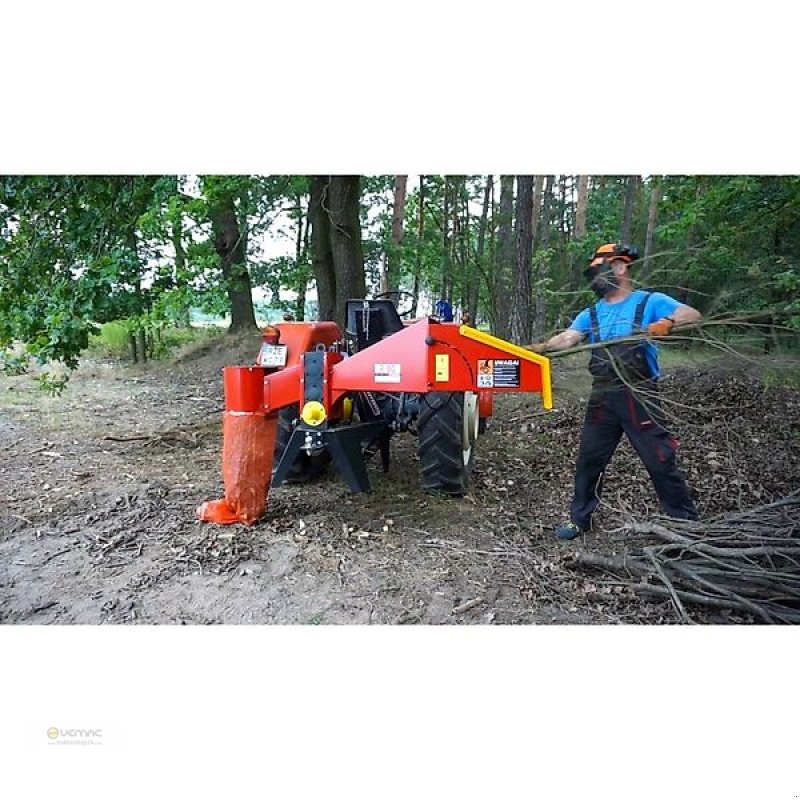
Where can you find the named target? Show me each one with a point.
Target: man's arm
(563, 340)
(573, 335)
(679, 314)
(684, 314)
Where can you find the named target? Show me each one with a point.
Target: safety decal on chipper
(498, 373)
(387, 373)
(442, 372)
(521, 365)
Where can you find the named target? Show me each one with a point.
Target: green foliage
(733, 243)
(112, 339)
(69, 257)
(169, 341)
(604, 213)
(425, 258)
(80, 252)
(51, 384)
(14, 364)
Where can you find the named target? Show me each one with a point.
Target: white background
(409, 88)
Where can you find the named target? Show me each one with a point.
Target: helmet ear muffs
(634, 253)
(626, 251)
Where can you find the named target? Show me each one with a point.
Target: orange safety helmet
(612, 251)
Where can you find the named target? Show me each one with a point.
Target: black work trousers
(611, 412)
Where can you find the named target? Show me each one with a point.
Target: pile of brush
(747, 563)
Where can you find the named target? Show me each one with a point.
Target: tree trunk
(345, 232)
(505, 258)
(564, 223)
(652, 221)
(132, 347)
(581, 206)
(230, 242)
(691, 235)
(140, 303)
(141, 337)
(521, 300)
(543, 237)
(185, 318)
(420, 233)
(467, 271)
(563, 217)
(446, 260)
(479, 254)
(322, 255)
(393, 259)
(580, 229)
(537, 208)
(491, 261)
(301, 301)
(300, 250)
(540, 312)
(631, 188)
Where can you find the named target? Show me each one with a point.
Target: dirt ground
(97, 526)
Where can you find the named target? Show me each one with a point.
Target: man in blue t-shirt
(624, 385)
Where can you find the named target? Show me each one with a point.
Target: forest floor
(99, 527)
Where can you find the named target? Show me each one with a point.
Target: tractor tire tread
(442, 467)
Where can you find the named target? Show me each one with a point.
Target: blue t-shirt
(616, 319)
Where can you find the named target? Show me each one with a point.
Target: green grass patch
(170, 340)
(113, 340)
(677, 356)
(785, 375)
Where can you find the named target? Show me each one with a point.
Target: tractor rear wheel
(306, 467)
(447, 427)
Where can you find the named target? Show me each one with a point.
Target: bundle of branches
(748, 562)
(703, 332)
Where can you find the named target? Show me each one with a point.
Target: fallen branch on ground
(186, 435)
(748, 562)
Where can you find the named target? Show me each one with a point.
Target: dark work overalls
(624, 400)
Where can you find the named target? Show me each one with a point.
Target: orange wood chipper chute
(317, 396)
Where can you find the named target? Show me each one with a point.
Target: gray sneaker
(569, 530)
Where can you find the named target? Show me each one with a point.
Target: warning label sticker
(442, 362)
(506, 372)
(386, 373)
(498, 373)
(485, 374)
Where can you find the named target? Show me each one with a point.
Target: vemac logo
(75, 736)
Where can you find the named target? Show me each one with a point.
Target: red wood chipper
(316, 396)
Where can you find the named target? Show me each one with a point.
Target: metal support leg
(384, 443)
(290, 453)
(344, 445)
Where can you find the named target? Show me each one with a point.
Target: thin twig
(666, 581)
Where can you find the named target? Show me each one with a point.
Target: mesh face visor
(594, 268)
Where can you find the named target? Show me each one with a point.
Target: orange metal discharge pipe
(247, 450)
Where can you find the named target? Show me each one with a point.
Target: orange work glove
(660, 328)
